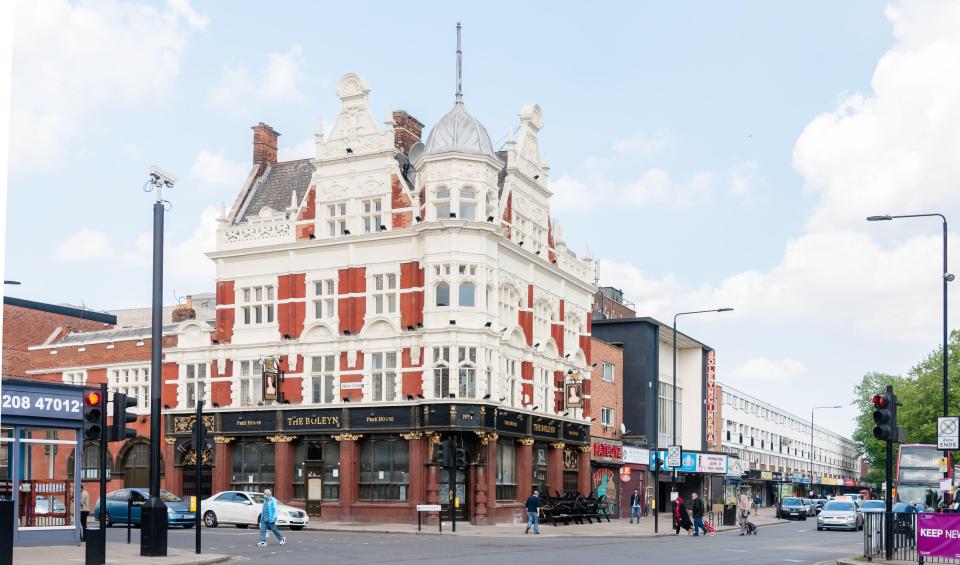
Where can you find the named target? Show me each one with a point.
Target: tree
(920, 402)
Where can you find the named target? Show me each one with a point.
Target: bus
(918, 474)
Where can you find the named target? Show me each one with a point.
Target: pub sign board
(546, 428)
(399, 417)
(252, 421)
(312, 420)
(575, 433)
(468, 416)
(511, 422)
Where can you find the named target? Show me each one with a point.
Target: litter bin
(95, 547)
(729, 514)
(6, 532)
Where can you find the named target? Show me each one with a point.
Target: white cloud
(303, 150)
(644, 144)
(72, 58)
(279, 81)
(216, 170)
(741, 178)
(186, 261)
(85, 245)
(763, 369)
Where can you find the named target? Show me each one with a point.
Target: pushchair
(751, 528)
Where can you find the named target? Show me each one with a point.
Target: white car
(243, 509)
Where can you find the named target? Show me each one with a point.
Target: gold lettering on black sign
(510, 423)
(466, 416)
(313, 421)
(251, 422)
(545, 428)
(380, 419)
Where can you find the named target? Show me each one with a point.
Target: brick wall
(94, 354)
(23, 327)
(603, 393)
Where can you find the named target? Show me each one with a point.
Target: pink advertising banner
(938, 535)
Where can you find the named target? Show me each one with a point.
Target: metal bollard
(95, 550)
(6, 532)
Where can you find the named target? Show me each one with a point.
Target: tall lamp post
(673, 474)
(153, 514)
(811, 442)
(947, 277)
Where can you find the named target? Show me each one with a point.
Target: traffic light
(461, 457)
(885, 416)
(121, 417)
(446, 453)
(92, 416)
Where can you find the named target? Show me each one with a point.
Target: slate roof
(112, 335)
(275, 187)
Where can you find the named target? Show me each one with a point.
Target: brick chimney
(184, 312)
(406, 130)
(264, 145)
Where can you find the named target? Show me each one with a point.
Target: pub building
(393, 293)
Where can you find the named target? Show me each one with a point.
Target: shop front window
(540, 467)
(253, 467)
(46, 493)
(384, 470)
(6, 461)
(506, 469)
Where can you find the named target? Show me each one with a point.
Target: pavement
(615, 528)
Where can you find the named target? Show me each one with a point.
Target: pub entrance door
(313, 476)
(460, 493)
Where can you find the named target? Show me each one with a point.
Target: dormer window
(442, 204)
(468, 204)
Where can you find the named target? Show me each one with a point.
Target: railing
(904, 538)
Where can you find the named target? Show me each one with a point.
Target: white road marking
(793, 561)
(736, 550)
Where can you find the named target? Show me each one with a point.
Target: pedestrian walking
(697, 510)
(84, 512)
(757, 501)
(681, 516)
(533, 510)
(635, 501)
(268, 519)
(743, 511)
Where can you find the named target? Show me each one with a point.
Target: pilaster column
(524, 468)
(433, 477)
(173, 476)
(223, 463)
(418, 458)
(349, 473)
(483, 497)
(283, 466)
(583, 471)
(555, 467)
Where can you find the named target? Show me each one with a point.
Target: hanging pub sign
(271, 378)
(574, 394)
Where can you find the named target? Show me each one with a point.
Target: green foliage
(920, 398)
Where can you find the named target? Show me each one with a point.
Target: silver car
(840, 515)
(810, 506)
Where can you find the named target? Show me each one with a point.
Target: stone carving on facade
(185, 423)
(347, 437)
(245, 233)
(412, 436)
(526, 441)
(170, 440)
(584, 448)
(558, 445)
(223, 439)
(280, 438)
(206, 457)
(487, 437)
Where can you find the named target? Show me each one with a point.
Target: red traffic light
(91, 399)
(880, 400)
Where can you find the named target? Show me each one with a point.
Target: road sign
(948, 432)
(674, 454)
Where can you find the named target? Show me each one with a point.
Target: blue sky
(707, 152)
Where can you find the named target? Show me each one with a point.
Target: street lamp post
(947, 277)
(673, 474)
(811, 442)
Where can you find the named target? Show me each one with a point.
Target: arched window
(442, 204)
(443, 294)
(468, 295)
(441, 372)
(90, 464)
(468, 204)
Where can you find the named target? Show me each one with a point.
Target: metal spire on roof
(459, 68)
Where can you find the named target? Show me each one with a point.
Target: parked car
(242, 509)
(873, 506)
(840, 514)
(178, 509)
(810, 507)
(791, 508)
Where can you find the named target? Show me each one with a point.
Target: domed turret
(459, 132)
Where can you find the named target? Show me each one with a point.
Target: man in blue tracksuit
(533, 507)
(268, 519)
